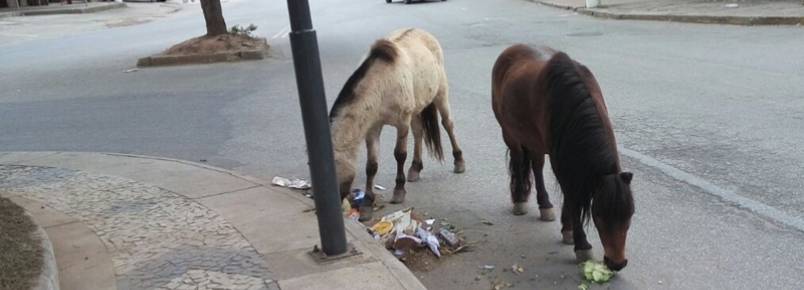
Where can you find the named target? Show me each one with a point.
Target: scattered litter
(449, 237)
(429, 239)
(429, 222)
(358, 198)
(500, 284)
(405, 242)
(295, 183)
(398, 253)
(382, 228)
(660, 282)
(353, 214)
(477, 278)
(131, 70)
(517, 269)
(487, 267)
(379, 187)
(732, 5)
(309, 194)
(488, 223)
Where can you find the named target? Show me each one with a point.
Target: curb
(704, 19)
(10, 14)
(168, 60)
(70, 10)
(49, 278)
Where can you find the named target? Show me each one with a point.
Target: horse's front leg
(583, 250)
(401, 153)
(372, 155)
(566, 225)
(418, 135)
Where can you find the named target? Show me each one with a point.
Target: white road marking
(725, 194)
(282, 33)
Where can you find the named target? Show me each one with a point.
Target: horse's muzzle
(615, 266)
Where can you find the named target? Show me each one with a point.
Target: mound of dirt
(20, 250)
(217, 44)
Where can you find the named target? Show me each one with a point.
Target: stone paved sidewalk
(137, 222)
(740, 12)
(158, 239)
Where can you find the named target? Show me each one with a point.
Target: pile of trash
(405, 233)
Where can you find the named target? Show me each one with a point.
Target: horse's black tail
(519, 167)
(432, 132)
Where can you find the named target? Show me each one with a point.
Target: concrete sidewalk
(737, 12)
(51, 9)
(14, 30)
(136, 222)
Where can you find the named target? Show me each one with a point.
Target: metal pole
(316, 128)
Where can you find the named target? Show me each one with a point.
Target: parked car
(410, 1)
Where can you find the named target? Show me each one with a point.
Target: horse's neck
(349, 127)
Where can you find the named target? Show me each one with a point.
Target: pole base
(322, 258)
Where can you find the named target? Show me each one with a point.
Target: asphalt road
(709, 118)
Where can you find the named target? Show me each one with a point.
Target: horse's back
(421, 62)
(516, 100)
(414, 40)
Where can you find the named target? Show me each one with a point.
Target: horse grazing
(402, 83)
(547, 103)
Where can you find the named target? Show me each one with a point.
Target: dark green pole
(316, 128)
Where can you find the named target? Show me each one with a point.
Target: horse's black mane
(382, 50)
(583, 150)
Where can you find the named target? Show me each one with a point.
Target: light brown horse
(547, 103)
(402, 83)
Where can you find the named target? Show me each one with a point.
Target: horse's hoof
(566, 237)
(520, 208)
(547, 214)
(413, 175)
(460, 167)
(583, 255)
(399, 196)
(366, 213)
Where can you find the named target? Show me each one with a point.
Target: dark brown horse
(547, 103)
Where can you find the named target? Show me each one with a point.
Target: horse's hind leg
(401, 153)
(519, 168)
(442, 104)
(546, 211)
(418, 135)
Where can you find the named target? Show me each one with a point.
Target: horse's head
(612, 208)
(345, 171)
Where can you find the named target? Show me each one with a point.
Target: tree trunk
(213, 15)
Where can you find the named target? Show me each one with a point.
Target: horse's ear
(626, 176)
